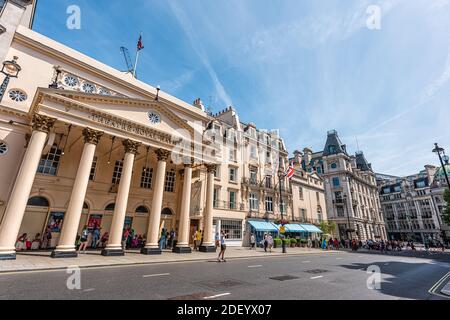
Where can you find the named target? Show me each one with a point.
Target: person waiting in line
(36, 242)
(95, 237)
(21, 243)
(46, 239)
(252, 241)
(336, 243)
(223, 247)
(162, 240)
(201, 238)
(125, 235)
(104, 240)
(84, 239)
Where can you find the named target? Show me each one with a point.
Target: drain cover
(316, 271)
(223, 284)
(194, 296)
(284, 278)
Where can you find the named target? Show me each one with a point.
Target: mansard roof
(334, 144)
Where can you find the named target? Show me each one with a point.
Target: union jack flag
(290, 170)
(140, 46)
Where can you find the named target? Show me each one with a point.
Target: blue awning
(293, 227)
(311, 228)
(263, 226)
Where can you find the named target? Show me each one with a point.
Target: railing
(226, 205)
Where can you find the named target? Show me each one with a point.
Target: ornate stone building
(350, 189)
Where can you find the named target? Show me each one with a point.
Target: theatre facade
(85, 144)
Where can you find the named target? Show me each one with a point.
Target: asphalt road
(322, 276)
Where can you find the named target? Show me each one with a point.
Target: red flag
(290, 171)
(140, 46)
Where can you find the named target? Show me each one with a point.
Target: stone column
(152, 247)
(183, 232)
(66, 245)
(208, 241)
(15, 210)
(114, 246)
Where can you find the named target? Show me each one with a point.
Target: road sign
(282, 229)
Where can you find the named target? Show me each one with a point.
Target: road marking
(155, 275)
(339, 258)
(255, 266)
(217, 295)
(88, 290)
(306, 261)
(386, 264)
(437, 285)
(312, 278)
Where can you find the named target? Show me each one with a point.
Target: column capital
(42, 123)
(131, 146)
(210, 167)
(92, 136)
(162, 154)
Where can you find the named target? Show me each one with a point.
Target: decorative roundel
(104, 92)
(154, 117)
(3, 148)
(17, 95)
(88, 88)
(71, 81)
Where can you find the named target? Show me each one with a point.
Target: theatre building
(82, 144)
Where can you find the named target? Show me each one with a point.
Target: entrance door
(192, 228)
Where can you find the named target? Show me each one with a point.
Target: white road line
(88, 290)
(306, 261)
(217, 295)
(339, 258)
(255, 266)
(155, 275)
(312, 278)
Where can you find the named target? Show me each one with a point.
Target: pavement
(41, 260)
(298, 275)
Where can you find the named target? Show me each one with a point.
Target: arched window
(110, 207)
(166, 211)
(38, 202)
(85, 205)
(141, 209)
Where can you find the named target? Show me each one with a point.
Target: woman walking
(84, 239)
(223, 247)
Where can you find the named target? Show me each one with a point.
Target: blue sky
(301, 66)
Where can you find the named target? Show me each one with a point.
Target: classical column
(183, 229)
(12, 219)
(152, 247)
(208, 244)
(114, 246)
(66, 246)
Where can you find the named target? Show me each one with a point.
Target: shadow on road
(403, 279)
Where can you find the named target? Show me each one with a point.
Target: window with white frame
(253, 201)
(232, 174)
(49, 162)
(232, 228)
(216, 197)
(117, 172)
(93, 169)
(269, 204)
(268, 182)
(146, 177)
(253, 152)
(169, 185)
(300, 193)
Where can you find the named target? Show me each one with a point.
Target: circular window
(88, 88)
(17, 95)
(104, 92)
(154, 117)
(71, 81)
(3, 148)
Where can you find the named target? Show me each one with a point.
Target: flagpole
(137, 58)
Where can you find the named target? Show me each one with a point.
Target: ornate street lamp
(440, 150)
(11, 70)
(349, 230)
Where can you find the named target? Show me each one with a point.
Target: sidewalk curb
(3, 272)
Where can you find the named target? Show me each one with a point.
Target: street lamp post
(11, 70)
(442, 159)
(283, 244)
(440, 150)
(349, 229)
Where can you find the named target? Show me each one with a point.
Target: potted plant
(293, 242)
(276, 242)
(303, 242)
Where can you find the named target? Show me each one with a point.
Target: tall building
(412, 205)
(350, 189)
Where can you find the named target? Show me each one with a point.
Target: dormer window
(331, 149)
